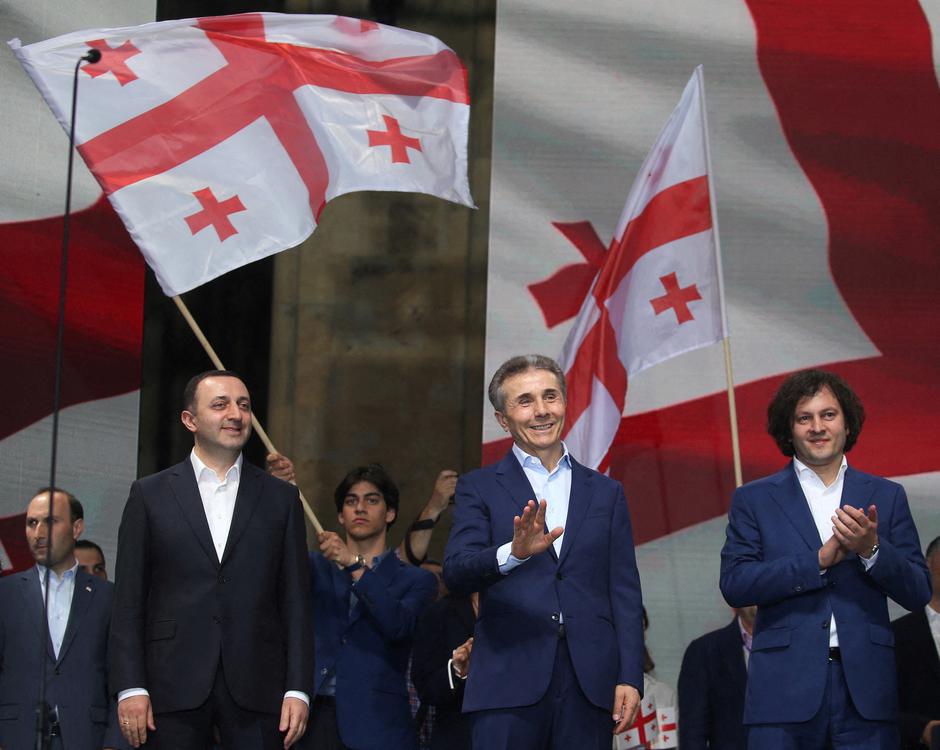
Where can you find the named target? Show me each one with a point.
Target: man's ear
(502, 420)
(390, 515)
(339, 517)
(77, 528)
(189, 420)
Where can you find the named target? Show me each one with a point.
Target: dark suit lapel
(249, 494)
(510, 475)
(183, 484)
(82, 596)
(788, 494)
(579, 500)
(33, 603)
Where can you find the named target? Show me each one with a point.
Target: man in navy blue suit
(366, 604)
(557, 656)
(76, 653)
(819, 547)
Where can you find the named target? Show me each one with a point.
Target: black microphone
(93, 55)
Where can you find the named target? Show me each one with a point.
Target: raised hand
(856, 530)
(528, 531)
(280, 466)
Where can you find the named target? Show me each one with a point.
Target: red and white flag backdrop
(824, 124)
(104, 310)
(219, 140)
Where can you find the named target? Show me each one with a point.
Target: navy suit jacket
(76, 682)
(770, 559)
(179, 611)
(918, 675)
(712, 681)
(594, 583)
(369, 647)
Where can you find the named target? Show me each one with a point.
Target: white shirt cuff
(299, 695)
(506, 560)
(870, 561)
(131, 692)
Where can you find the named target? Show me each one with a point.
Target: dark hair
(189, 392)
(76, 511)
(88, 544)
(374, 473)
(519, 364)
(648, 664)
(933, 548)
(806, 384)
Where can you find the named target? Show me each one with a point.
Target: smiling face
(220, 417)
(534, 414)
(365, 514)
(819, 432)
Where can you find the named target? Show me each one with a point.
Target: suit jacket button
(343, 640)
(798, 588)
(221, 579)
(555, 617)
(57, 670)
(826, 625)
(559, 576)
(216, 619)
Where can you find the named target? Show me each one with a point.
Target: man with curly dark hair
(818, 547)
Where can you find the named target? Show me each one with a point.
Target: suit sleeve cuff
(299, 695)
(131, 692)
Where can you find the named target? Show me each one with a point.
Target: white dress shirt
(823, 502)
(218, 498)
(61, 589)
(552, 486)
(933, 619)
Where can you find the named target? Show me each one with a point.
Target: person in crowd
(366, 604)
(712, 682)
(91, 558)
(558, 645)
(656, 722)
(818, 547)
(80, 713)
(917, 651)
(212, 623)
(417, 540)
(440, 663)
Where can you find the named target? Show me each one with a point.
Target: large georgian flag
(219, 140)
(657, 294)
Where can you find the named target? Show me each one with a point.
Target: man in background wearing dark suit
(79, 611)
(917, 649)
(712, 681)
(212, 623)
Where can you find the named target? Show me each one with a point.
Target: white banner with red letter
(219, 140)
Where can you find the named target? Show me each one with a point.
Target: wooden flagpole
(256, 425)
(726, 341)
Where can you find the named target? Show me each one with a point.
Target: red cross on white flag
(219, 140)
(657, 293)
